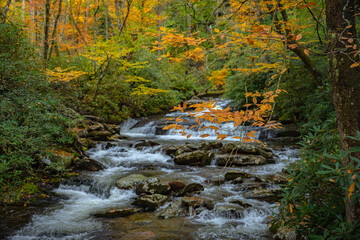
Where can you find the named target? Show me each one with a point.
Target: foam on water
(73, 220)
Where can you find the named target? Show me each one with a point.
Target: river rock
(130, 181)
(151, 202)
(171, 150)
(89, 164)
(176, 186)
(211, 145)
(239, 160)
(173, 210)
(231, 175)
(192, 188)
(237, 148)
(115, 213)
(270, 195)
(197, 158)
(240, 203)
(196, 202)
(229, 210)
(266, 153)
(100, 135)
(152, 185)
(146, 143)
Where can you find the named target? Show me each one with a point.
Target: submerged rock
(152, 185)
(118, 213)
(130, 181)
(196, 158)
(151, 202)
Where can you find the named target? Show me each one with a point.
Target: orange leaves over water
(256, 114)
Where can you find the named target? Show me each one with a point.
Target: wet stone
(173, 210)
(116, 213)
(240, 203)
(240, 160)
(176, 186)
(130, 181)
(232, 175)
(192, 188)
(196, 158)
(89, 164)
(151, 202)
(151, 186)
(269, 195)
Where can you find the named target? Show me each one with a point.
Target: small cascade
(234, 215)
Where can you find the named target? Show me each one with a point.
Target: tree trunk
(46, 29)
(53, 35)
(340, 23)
(6, 9)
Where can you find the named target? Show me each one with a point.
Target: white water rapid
(95, 192)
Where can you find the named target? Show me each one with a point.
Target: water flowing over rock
(127, 200)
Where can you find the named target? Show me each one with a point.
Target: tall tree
(345, 79)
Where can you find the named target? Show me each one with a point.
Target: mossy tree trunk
(345, 79)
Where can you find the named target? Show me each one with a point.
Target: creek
(73, 216)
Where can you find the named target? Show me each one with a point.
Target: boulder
(196, 158)
(116, 213)
(211, 145)
(231, 175)
(240, 203)
(146, 143)
(176, 186)
(192, 188)
(270, 195)
(266, 153)
(130, 181)
(171, 150)
(240, 160)
(100, 135)
(152, 185)
(217, 180)
(151, 202)
(173, 210)
(196, 202)
(229, 210)
(237, 148)
(89, 164)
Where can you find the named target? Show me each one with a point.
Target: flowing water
(72, 217)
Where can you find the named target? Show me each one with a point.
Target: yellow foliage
(63, 75)
(218, 77)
